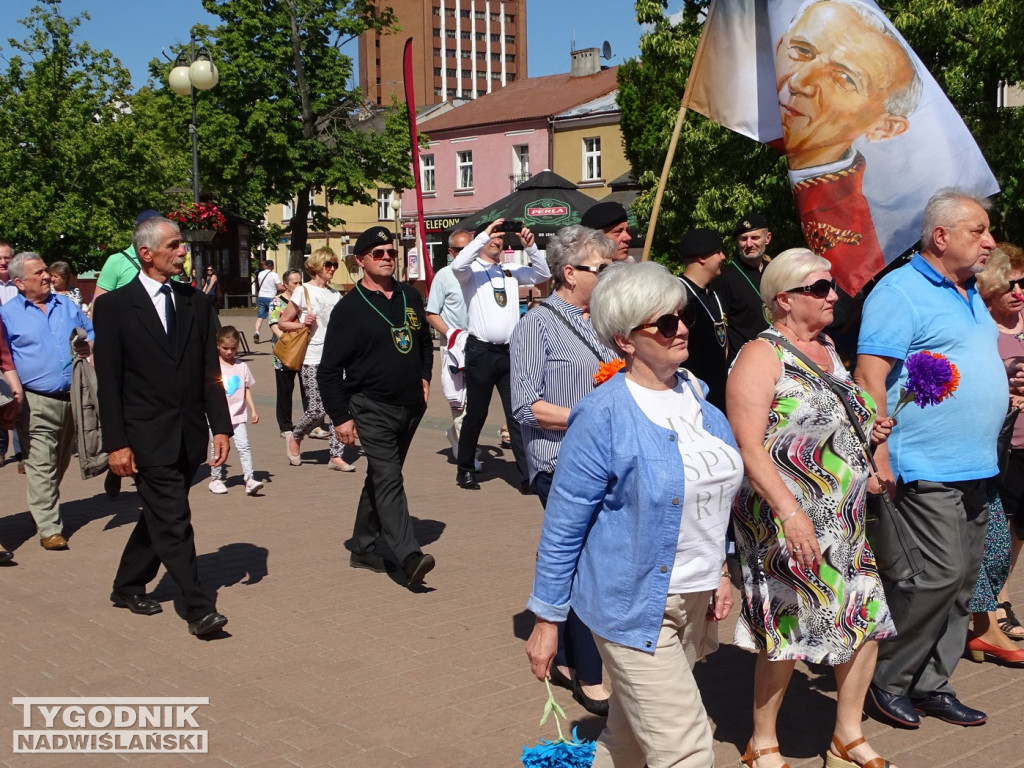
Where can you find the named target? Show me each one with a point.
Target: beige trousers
(655, 715)
(46, 431)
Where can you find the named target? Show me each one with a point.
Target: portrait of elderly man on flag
(842, 74)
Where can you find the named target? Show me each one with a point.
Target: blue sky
(136, 30)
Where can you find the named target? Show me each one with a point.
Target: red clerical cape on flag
(867, 131)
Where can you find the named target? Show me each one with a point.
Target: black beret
(699, 242)
(749, 222)
(604, 215)
(371, 238)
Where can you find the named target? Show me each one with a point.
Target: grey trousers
(948, 521)
(46, 431)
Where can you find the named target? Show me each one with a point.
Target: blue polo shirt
(39, 342)
(914, 308)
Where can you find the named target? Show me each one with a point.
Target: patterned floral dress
(821, 615)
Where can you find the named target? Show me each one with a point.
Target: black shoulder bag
(897, 555)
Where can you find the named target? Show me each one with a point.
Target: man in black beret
(374, 379)
(739, 286)
(700, 250)
(610, 218)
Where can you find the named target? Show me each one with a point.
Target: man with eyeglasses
(491, 290)
(374, 378)
(700, 250)
(446, 314)
(936, 462)
(739, 285)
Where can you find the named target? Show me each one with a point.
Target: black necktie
(171, 317)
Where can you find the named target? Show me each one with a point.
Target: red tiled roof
(534, 98)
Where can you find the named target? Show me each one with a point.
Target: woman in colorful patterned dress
(810, 587)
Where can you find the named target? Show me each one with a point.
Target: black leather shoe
(5, 556)
(112, 484)
(140, 604)
(465, 479)
(526, 489)
(894, 708)
(557, 678)
(369, 561)
(947, 707)
(417, 566)
(211, 622)
(597, 707)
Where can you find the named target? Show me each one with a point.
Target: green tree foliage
(78, 162)
(970, 48)
(283, 121)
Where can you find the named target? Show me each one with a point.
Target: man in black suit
(159, 385)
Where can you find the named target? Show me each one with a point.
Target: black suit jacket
(151, 400)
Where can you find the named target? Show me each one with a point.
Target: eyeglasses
(668, 325)
(330, 265)
(819, 289)
(596, 270)
(380, 253)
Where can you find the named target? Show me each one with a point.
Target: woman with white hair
(810, 587)
(633, 538)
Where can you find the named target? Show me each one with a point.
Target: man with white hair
(38, 324)
(937, 460)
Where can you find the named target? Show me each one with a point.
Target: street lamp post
(192, 71)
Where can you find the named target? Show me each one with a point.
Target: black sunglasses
(330, 265)
(380, 253)
(819, 289)
(596, 270)
(668, 325)
(1017, 284)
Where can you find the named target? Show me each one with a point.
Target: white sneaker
(252, 485)
(217, 486)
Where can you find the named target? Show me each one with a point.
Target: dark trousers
(285, 380)
(576, 647)
(948, 521)
(385, 433)
(487, 367)
(164, 535)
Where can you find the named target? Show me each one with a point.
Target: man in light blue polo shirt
(938, 458)
(37, 325)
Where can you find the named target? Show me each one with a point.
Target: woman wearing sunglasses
(810, 587)
(321, 267)
(633, 539)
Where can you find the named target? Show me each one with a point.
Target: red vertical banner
(410, 105)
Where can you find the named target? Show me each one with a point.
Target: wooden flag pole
(680, 117)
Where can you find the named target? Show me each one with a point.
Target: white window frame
(464, 169)
(384, 210)
(428, 177)
(591, 158)
(521, 159)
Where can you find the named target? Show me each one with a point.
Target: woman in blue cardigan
(634, 530)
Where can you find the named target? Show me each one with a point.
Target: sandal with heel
(754, 754)
(839, 756)
(1008, 623)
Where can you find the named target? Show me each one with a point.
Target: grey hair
(147, 233)
(571, 245)
(456, 233)
(787, 271)
(17, 266)
(902, 101)
(628, 294)
(945, 209)
(995, 279)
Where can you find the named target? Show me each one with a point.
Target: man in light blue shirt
(937, 460)
(38, 325)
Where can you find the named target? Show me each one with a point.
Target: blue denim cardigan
(612, 521)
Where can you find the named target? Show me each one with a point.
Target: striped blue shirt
(553, 364)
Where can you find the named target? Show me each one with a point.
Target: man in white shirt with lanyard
(491, 290)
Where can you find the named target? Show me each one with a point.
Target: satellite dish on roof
(606, 50)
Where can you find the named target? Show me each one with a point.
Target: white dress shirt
(485, 318)
(153, 289)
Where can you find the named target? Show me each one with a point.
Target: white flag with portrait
(868, 133)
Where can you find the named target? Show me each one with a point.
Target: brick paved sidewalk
(323, 665)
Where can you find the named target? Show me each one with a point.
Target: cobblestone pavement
(324, 665)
